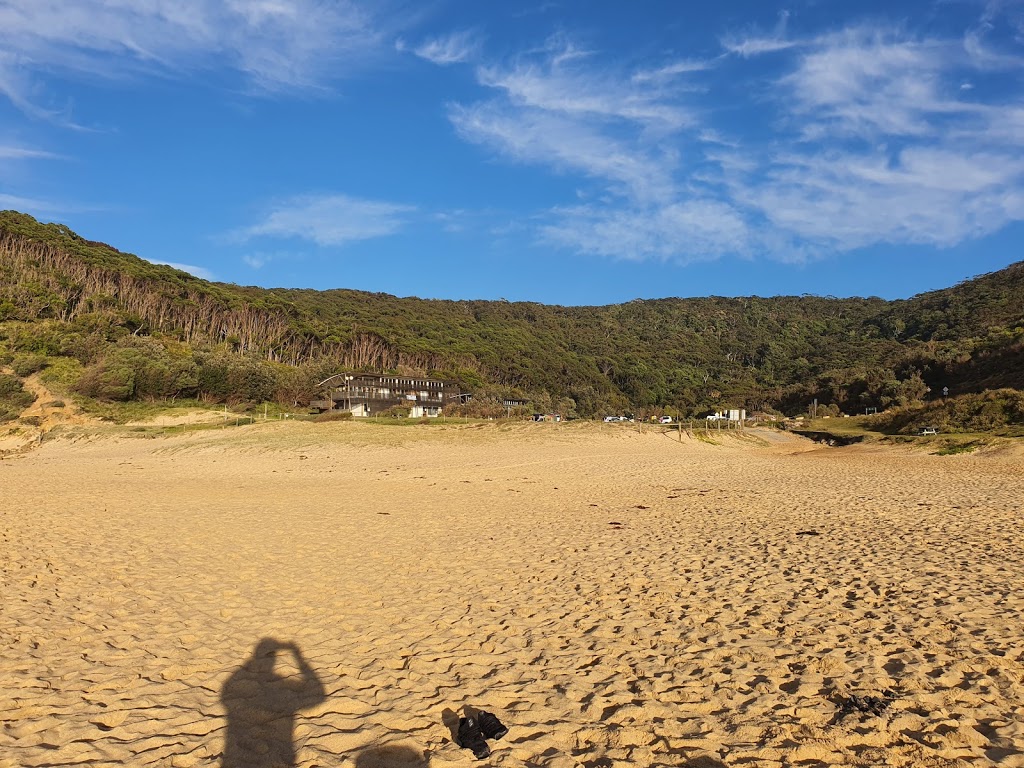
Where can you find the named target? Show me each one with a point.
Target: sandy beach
(336, 594)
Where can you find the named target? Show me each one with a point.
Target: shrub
(62, 374)
(40, 338)
(13, 397)
(10, 386)
(108, 382)
(335, 416)
(26, 365)
(986, 411)
(142, 369)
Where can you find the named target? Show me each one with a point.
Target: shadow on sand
(262, 703)
(263, 698)
(391, 757)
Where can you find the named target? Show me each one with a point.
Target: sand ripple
(742, 596)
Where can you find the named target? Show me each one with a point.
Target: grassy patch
(121, 413)
(957, 448)
(335, 416)
(438, 421)
(855, 426)
(704, 437)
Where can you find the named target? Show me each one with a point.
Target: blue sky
(582, 152)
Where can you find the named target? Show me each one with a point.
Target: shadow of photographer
(262, 704)
(391, 757)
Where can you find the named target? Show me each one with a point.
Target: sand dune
(46, 413)
(335, 594)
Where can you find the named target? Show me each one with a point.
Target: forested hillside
(119, 327)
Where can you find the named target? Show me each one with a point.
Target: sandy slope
(617, 598)
(46, 413)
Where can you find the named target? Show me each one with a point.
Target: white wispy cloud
(627, 131)
(984, 55)
(756, 46)
(328, 220)
(756, 43)
(31, 205)
(16, 84)
(995, 125)
(586, 93)
(25, 153)
(711, 136)
(256, 260)
(259, 259)
(870, 82)
(671, 71)
(883, 145)
(275, 43)
(557, 107)
(682, 232)
(201, 272)
(892, 149)
(455, 48)
(847, 201)
(549, 138)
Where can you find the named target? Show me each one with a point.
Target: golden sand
(336, 594)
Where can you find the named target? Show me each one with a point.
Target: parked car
(928, 431)
(665, 419)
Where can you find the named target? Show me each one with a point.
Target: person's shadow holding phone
(262, 704)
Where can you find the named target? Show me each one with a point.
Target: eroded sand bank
(615, 597)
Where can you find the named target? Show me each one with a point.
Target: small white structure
(733, 414)
(419, 411)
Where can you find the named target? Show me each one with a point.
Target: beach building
(367, 394)
(732, 414)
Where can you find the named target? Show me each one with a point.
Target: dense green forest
(120, 328)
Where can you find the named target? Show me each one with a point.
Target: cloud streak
(927, 197)
(554, 109)
(548, 138)
(758, 44)
(30, 205)
(25, 153)
(627, 132)
(882, 145)
(586, 94)
(683, 232)
(891, 150)
(868, 83)
(275, 44)
(328, 220)
(455, 48)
